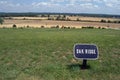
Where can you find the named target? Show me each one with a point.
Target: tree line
(30, 14)
(109, 21)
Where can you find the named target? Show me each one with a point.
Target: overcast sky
(63, 6)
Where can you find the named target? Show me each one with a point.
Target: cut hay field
(42, 21)
(47, 54)
(70, 17)
(92, 18)
(50, 23)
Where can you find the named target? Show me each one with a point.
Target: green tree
(1, 20)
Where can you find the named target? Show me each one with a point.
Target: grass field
(47, 54)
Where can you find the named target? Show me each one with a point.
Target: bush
(62, 18)
(63, 27)
(72, 27)
(1, 20)
(109, 21)
(50, 18)
(118, 21)
(24, 18)
(103, 28)
(89, 27)
(99, 27)
(14, 26)
(20, 27)
(55, 26)
(42, 26)
(28, 26)
(77, 19)
(68, 19)
(104, 21)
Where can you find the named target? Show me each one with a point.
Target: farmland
(49, 21)
(47, 54)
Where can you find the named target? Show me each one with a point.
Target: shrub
(1, 20)
(72, 27)
(68, 27)
(99, 27)
(63, 27)
(28, 26)
(42, 26)
(109, 21)
(20, 27)
(78, 19)
(62, 18)
(14, 26)
(102, 20)
(50, 18)
(118, 21)
(24, 18)
(103, 28)
(57, 26)
(89, 27)
(68, 19)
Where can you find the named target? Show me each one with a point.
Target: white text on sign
(85, 51)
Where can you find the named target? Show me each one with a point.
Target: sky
(62, 6)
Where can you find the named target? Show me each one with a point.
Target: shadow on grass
(75, 67)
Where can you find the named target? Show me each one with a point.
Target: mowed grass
(47, 54)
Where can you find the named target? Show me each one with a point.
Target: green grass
(47, 54)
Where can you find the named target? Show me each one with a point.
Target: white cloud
(3, 2)
(46, 4)
(8, 4)
(109, 5)
(58, 1)
(112, 3)
(81, 6)
(98, 1)
(89, 5)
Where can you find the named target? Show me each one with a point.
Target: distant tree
(28, 26)
(102, 20)
(58, 17)
(118, 21)
(68, 27)
(64, 16)
(42, 26)
(50, 18)
(57, 26)
(99, 27)
(78, 19)
(109, 21)
(24, 18)
(48, 15)
(1, 21)
(14, 26)
(10, 18)
(43, 15)
(68, 19)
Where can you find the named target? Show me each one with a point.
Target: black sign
(85, 51)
